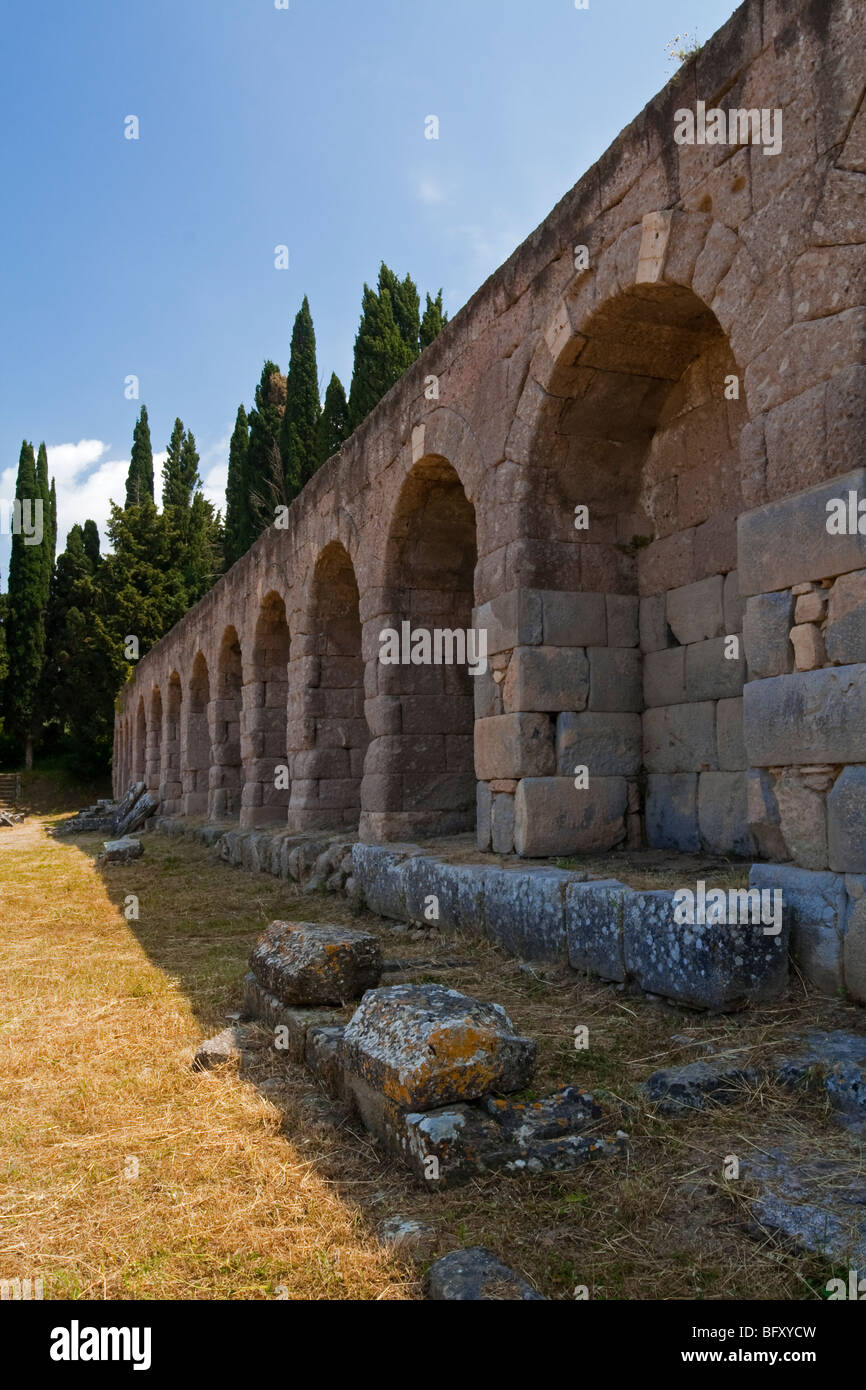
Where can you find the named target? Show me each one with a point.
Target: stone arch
(153, 750)
(195, 741)
(328, 733)
(171, 788)
(139, 757)
(226, 773)
(636, 407)
(263, 739)
(419, 776)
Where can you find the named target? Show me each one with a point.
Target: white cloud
(428, 191)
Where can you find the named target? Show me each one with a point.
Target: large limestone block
(766, 635)
(723, 814)
(846, 821)
(615, 679)
(553, 817)
(450, 896)
(305, 963)
(729, 736)
(711, 674)
(421, 1046)
(622, 620)
(546, 679)
(803, 821)
(511, 620)
(609, 744)
(524, 911)
(514, 745)
(594, 925)
(672, 811)
(813, 907)
(787, 542)
(696, 612)
(574, 620)
(854, 950)
(680, 738)
(664, 677)
(716, 966)
(764, 818)
(378, 871)
(845, 634)
(806, 717)
(655, 635)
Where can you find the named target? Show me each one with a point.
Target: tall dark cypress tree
(266, 480)
(29, 580)
(301, 418)
(174, 491)
(90, 539)
(406, 306)
(381, 355)
(238, 524)
(433, 322)
(139, 479)
(333, 427)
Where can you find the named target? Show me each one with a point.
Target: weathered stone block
(766, 628)
(672, 811)
(511, 620)
(574, 620)
(734, 604)
(664, 677)
(696, 611)
(121, 851)
(808, 647)
(845, 634)
(764, 819)
(483, 816)
(813, 906)
(458, 890)
(846, 821)
(524, 911)
(378, 871)
(802, 820)
(711, 674)
(614, 679)
(546, 679)
(551, 817)
(716, 966)
(226, 1046)
(609, 745)
(680, 738)
(292, 1022)
(594, 926)
(622, 620)
(422, 1046)
(786, 542)
(854, 949)
(514, 745)
(476, 1276)
(654, 633)
(722, 813)
(729, 736)
(502, 824)
(305, 963)
(806, 717)
(697, 1085)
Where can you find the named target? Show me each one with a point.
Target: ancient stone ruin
(593, 573)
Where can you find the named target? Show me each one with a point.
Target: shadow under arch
(226, 770)
(263, 731)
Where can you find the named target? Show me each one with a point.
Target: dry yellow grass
(244, 1188)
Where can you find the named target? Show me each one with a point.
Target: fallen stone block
(306, 963)
(293, 1023)
(447, 896)
(414, 1239)
(477, 1276)
(813, 908)
(697, 1085)
(322, 1055)
(422, 1046)
(835, 1061)
(378, 871)
(813, 1204)
(226, 1046)
(145, 806)
(122, 851)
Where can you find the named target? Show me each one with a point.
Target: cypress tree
(266, 481)
(174, 493)
(406, 306)
(238, 524)
(301, 419)
(433, 322)
(381, 355)
(333, 427)
(90, 539)
(139, 479)
(28, 598)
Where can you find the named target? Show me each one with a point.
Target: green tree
(303, 408)
(381, 355)
(29, 581)
(433, 322)
(333, 426)
(239, 533)
(406, 306)
(90, 539)
(139, 479)
(266, 481)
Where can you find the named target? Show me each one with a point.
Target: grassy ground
(125, 1174)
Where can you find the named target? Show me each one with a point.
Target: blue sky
(258, 127)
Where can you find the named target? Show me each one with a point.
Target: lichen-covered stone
(476, 1276)
(814, 1203)
(837, 1061)
(226, 1046)
(594, 922)
(697, 1085)
(423, 1046)
(306, 963)
(524, 911)
(293, 1023)
(122, 851)
(813, 906)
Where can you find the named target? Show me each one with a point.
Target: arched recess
(226, 772)
(419, 775)
(195, 741)
(139, 751)
(638, 412)
(153, 750)
(171, 789)
(328, 733)
(263, 737)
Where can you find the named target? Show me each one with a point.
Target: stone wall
(602, 461)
